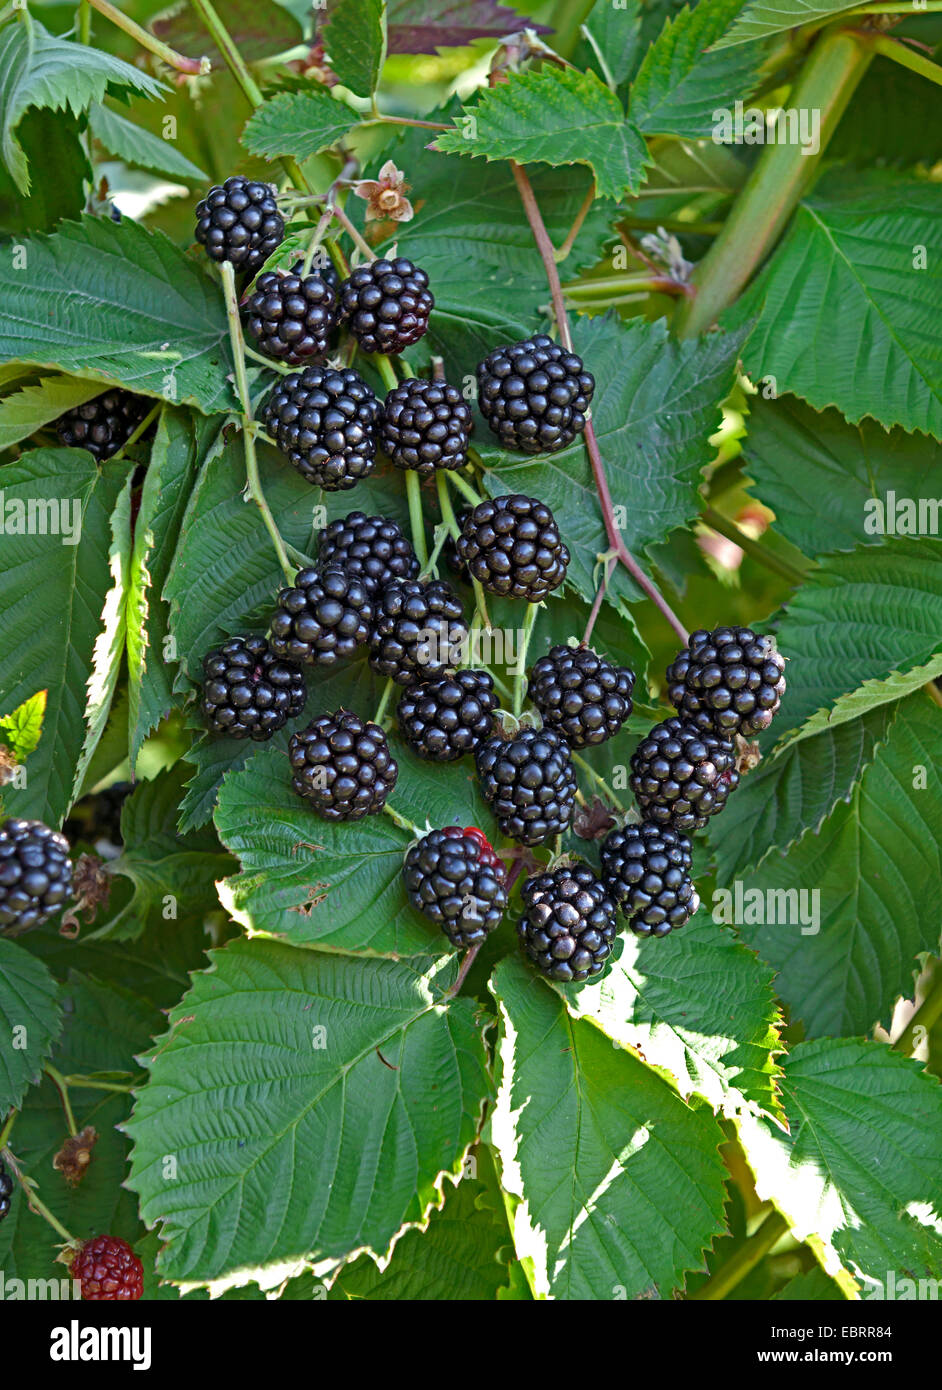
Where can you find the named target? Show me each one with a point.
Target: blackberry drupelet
(580, 694)
(534, 394)
(323, 618)
(35, 874)
(457, 882)
(419, 630)
(342, 766)
(426, 425)
(568, 924)
(646, 869)
(291, 317)
(323, 266)
(239, 221)
(443, 719)
(370, 547)
(325, 420)
(108, 1271)
(730, 680)
(103, 425)
(513, 546)
(681, 775)
(6, 1190)
(250, 691)
(386, 304)
(529, 782)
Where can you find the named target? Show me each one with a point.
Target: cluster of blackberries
(35, 874)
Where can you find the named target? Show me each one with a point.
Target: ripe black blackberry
(35, 874)
(239, 221)
(646, 869)
(325, 420)
(370, 547)
(445, 718)
(419, 630)
(386, 304)
(250, 691)
(342, 766)
(455, 879)
(681, 775)
(291, 316)
(580, 694)
(323, 618)
(6, 1190)
(568, 925)
(321, 265)
(529, 782)
(426, 425)
(103, 425)
(534, 394)
(731, 680)
(513, 546)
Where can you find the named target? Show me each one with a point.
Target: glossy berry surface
(291, 316)
(730, 680)
(386, 304)
(529, 783)
(325, 420)
(103, 425)
(444, 718)
(35, 874)
(342, 766)
(680, 776)
(239, 221)
(249, 691)
(108, 1270)
(580, 694)
(568, 925)
(6, 1190)
(646, 870)
(372, 548)
(512, 545)
(534, 394)
(456, 883)
(322, 618)
(426, 425)
(419, 630)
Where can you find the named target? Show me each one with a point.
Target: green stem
(717, 522)
(401, 821)
(381, 119)
(84, 23)
(465, 488)
(248, 424)
(416, 522)
(384, 701)
(750, 1253)
(906, 57)
(281, 367)
(451, 521)
(352, 232)
(147, 40)
(34, 1202)
(576, 227)
(621, 285)
(7, 1129)
(233, 58)
(834, 68)
(142, 428)
(598, 779)
(61, 1085)
(520, 669)
(925, 1017)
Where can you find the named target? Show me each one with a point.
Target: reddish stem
(597, 603)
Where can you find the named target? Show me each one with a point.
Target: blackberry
(681, 775)
(370, 547)
(249, 691)
(239, 221)
(6, 1190)
(342, 766)
(529, 783)
(457, 882)
(534, 394)
(103, 425)
(325, 420)
(581, 695)
(322, 266)
(730, 680)
(418, 630)
(386, 304)
(426, 425)
(445, 718)
(35, 874)
(291, 317)
(323, 618)
(568, 925)
(108, 1271)
(513, 546)
(646, 869)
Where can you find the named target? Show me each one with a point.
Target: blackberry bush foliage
(486, 725)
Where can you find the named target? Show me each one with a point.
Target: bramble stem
(520, 667)
(597, 778)
(384, 701)
(227, 47)
(193, 66)
(749, 1254)
(925, 1017)
(721, 524)
(597, 602)
(145, 425)
(352, 232)
(61, 1085)
(546, 250)
(248, 423)
(381, 119)
(576, 227)
(33, 1201)
(899, 53)
(466, 963)
(7, 1129)
(465, 488)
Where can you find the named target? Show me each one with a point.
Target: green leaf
(311, 882)
(860, 1170)
(797, 455)
(23, 728)
(860, 617)
(138, 146)
(871, 879)
(619, 1182)
(814, 1285)
(676, 89)
(171, 474)
(42, 70)
(30, 1020)
(24, 412)
(344, 1094)
(610, 43)
(354, 37)
(53, 595)
(52, 141)
(764, 17)
(851, 270)
(298, 124)
(117, 302)
(703, 1011)
(553, 116)
(871, 695)
(259, 29)
(656, 403)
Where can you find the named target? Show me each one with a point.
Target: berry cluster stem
(33, 1200)
(749, 1254)
(520, 668)
(61, 1085)
(191, 66)
(454, 530)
